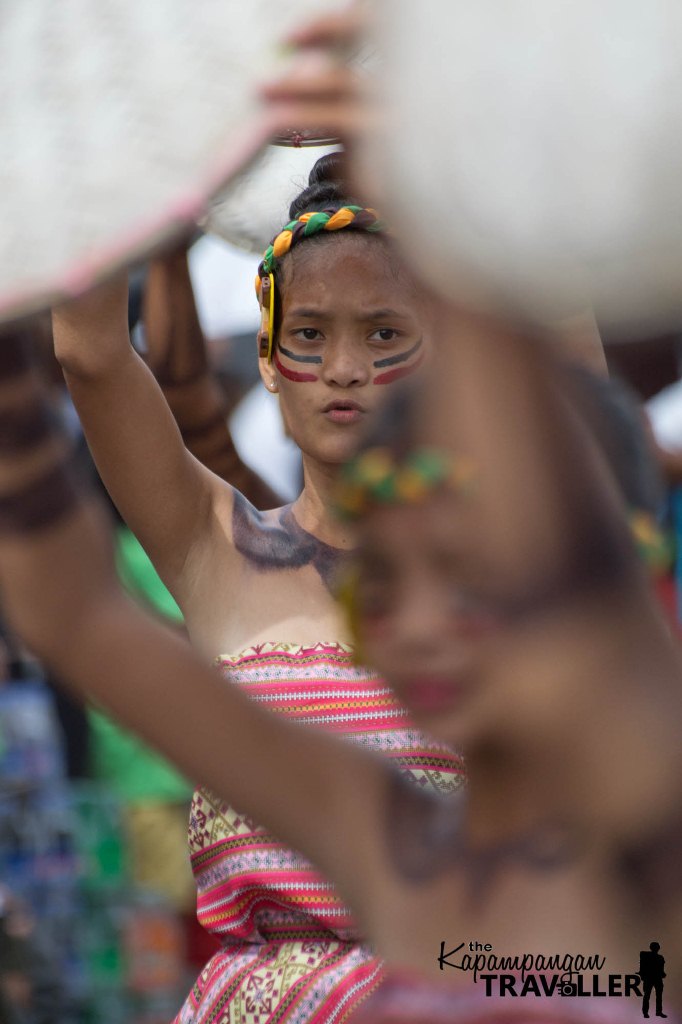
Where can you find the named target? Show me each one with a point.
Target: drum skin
(253, 207)
(118, 122)
(532, 152)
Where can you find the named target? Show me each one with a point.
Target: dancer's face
(420, 626)
(351, 326)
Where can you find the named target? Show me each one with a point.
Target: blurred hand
(322, 91)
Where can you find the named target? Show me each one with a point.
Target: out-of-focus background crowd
(97, 901)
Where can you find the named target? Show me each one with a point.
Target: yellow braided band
(377, 477)
(308, 224)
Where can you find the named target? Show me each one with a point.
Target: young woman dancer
(341, 323)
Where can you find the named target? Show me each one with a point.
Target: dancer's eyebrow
(307, 312)
(385, 314)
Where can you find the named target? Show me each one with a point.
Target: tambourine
(532, 152)
(118, 121)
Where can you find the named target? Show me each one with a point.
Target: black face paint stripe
(42, 503)
(299, 359)
(401, 357)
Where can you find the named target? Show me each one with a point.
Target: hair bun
(329, 169)
(326, 187)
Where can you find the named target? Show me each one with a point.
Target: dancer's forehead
(365, 262)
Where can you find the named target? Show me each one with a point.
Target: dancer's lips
(343, 410)
(432, 693)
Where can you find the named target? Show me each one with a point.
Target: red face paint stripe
(399, 372)
(301, 378)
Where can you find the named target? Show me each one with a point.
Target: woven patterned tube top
(288, 941)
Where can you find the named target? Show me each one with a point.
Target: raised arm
(165, 495)
(177, 356)
(57, 584)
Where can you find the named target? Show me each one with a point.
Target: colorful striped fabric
(290, 950)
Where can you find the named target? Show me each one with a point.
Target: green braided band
(655, 546)
(309, 224)
(374, 477)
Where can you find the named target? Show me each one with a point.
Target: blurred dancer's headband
(376, 477)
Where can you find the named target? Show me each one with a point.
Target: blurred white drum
(253, 208)
(118, 119)
(533, 152)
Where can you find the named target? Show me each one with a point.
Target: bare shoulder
(212, 540)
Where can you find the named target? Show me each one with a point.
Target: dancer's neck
(314, 508)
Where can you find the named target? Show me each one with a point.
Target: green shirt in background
(135, 772)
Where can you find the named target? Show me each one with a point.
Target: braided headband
(308, 224)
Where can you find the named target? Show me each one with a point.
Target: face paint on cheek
(299, 378)
(297, 358)
(400, 371)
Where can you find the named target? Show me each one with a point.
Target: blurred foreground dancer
(568, 837)
(552, 671)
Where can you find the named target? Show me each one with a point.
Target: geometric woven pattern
(118, 119)
(287, 936)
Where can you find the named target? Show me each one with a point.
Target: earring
(272, 385)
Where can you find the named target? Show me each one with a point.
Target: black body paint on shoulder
(42, 503)
(272, 541)
(24, 429)
(16, 353)
(426, 836)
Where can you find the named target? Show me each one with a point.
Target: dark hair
(326, 187)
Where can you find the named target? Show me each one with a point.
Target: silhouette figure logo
(652, 973)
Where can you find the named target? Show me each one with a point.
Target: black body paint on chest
(271, 541)
(426, 837)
